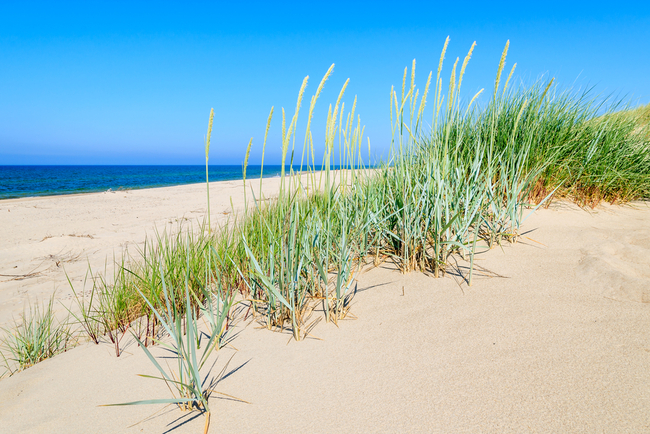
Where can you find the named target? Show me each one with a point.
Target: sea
(32, 181)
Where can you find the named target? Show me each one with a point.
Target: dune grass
(187, 341)
(37, 335)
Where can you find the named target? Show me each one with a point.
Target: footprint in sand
(619, 269)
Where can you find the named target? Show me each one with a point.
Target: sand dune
(554, 336)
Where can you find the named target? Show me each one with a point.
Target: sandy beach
(43, 238)
(553, 336)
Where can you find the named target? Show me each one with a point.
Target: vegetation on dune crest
(465, 180)
(639, 118)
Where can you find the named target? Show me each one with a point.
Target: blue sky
(133, 83)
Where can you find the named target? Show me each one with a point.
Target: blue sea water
(26, 181)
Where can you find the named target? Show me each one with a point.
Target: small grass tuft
(36, 336)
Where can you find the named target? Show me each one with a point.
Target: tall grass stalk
(207, 154)
(248, 153)
(266, 133)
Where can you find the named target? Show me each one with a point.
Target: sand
(44, 238)
(552, 337)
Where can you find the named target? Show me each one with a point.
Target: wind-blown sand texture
(554, 335)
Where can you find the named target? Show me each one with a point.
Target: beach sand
(44, 238)
(553, 336)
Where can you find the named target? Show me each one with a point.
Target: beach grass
(190, 387)
(37, 335)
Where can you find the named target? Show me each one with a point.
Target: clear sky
(133, 82)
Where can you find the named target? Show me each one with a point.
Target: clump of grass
(36, 336)
(186, 341)
(294, 246)
(113, 307)
(471, 177)
(110, 309)
(590, 156)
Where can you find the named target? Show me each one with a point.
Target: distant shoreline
(22, 182)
